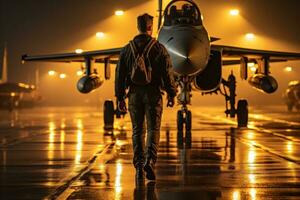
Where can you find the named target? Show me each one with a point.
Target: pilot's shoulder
(125, 49)
(160, 46)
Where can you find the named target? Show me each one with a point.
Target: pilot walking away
(144, 69)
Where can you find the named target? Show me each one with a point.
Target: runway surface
(63, 153)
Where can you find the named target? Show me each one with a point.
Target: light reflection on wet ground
(63, 152)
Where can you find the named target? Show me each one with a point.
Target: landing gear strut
(184, 116)
(242, 106)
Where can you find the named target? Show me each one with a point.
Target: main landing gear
(184, 116)
(242, 106)
(109, 115)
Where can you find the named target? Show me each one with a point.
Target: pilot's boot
(139, 174)
(149, 169)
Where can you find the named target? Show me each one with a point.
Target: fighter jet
(14, 95)
(197, 62)
(292, 96)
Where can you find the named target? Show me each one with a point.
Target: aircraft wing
(232, 55)
(98, 56)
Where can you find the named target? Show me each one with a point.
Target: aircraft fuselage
(185, 37)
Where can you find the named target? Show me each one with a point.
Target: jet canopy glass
(182, 12)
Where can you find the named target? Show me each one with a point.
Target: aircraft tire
(180, 120)
(188, 121)
(290, 107)
(109, 114)
(242, 113)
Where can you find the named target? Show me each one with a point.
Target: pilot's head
(145, 24)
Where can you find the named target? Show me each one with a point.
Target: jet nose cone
(189, 53)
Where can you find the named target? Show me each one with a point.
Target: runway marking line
(64, 191)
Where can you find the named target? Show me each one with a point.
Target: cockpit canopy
(180, 12)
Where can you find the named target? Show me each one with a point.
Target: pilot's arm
(120, 76)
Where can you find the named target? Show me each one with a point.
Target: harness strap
(147, 49)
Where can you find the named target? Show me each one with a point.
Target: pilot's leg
(153, 117)
(137, 115)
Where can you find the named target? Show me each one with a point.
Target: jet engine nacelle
(87, 84)
(264, 83)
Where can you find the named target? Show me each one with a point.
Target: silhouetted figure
(145, 96)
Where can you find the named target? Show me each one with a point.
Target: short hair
(144, 22)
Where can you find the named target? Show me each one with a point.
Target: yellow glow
(251, 64)
(79, 73)
(51, 73)
(118, 185)
(202, 18)
(62, 140)
(293, 83)
(51, 140)
(250, 135)
(234, 12)
(63, 125)
(78, 51)
(250, 36)
(119, 12)
(288, 69)
(290, 147)
(79, 124)
(79, 140)
(102, 167)
(252, 178)
(78, 147)
(253, 193)
(251, 156)
(62, 76)
(51, 126)
(12, 94)
(100, 35)
(236, 195)
(253, 69)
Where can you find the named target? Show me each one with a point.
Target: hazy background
(52, 26)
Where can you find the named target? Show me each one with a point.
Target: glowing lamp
(253, 69)
(51, 73)
(288, 69)
(119, 12)
(78, 51)
(250, 36)
(62, 76)
(234, 12)
(79, 73)
(251, 64)
(100, 35)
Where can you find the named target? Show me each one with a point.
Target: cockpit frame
(189, 14)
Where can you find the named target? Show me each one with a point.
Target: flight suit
(145, 102)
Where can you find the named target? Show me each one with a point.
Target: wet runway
(63, 153)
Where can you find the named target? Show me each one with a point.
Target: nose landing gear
(184, 116)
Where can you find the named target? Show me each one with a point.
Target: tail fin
(3, 77)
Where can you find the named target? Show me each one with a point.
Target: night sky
(52, 26)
